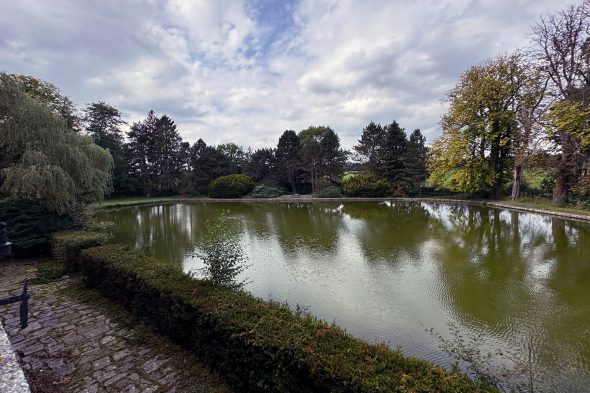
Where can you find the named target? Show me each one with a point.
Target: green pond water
(391, 271)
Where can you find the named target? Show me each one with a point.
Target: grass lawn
(134, 201)
(546, 204)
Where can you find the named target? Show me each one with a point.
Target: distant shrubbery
(266, 192)
(329, 192)
(231, 186)
(365, 185)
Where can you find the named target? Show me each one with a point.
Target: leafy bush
(263, 191)
(365, 185)
(67, 245)
(231, 186)
(30, 225)
(222, 254)
(256, 345)
(329, 192)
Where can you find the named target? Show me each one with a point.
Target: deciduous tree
(45, 160)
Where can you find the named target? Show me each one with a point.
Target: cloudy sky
(244, 71)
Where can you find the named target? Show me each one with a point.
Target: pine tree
(391, 156)
(166, 142)
(415, 161)
(141, 152)
(288, 160)
(369, 146)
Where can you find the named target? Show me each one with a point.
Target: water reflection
(382, 270)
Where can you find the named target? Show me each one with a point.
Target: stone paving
(77, 341)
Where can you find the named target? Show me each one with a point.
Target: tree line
(154, 160)
(527, 109)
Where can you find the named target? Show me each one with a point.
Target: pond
(391, 271)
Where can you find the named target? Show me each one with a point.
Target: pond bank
(559, 212)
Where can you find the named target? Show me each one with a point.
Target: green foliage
(370, 145)
(261, 165)
(222, 254)
(66, 246)
(452, 166)
(288, 160)
(231, 186)
(263, 191)
(256, 345)
(153, 150)
(103, 122)
(45, 160)
(207, 163)
(321, 154)
(365, 185)
(30, 225)
(472, 154)
(329, 192)
(234, 156)
(391, 155)
(415, 162)
(49, 96)
(387, 152)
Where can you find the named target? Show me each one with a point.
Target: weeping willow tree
(42, 159)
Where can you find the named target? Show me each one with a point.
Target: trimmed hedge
(365, 185)
(257, 345)
(231, 186)
(67, 246)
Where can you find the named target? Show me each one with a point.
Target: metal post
(23, 298)
(24, 306)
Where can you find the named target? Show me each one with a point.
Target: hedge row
(231, 186)
(256, 345)
(67, 245)
(365, 184)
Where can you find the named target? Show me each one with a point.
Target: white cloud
(223, 73)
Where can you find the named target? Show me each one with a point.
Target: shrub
(329, 192)
(365, 185)
(68, 244)
(263, 191)
(255, 345)
(231, 186)
(30, 225)
(222, 254)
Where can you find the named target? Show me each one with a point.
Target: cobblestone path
(78, 341)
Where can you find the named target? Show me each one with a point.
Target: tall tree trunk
(291, 175)
(560, 191)
(516, 176)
